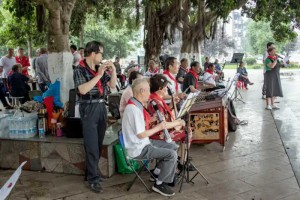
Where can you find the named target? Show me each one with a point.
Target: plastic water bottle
(41, 129)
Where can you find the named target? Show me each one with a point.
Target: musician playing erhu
(158, 88)
(136, 137)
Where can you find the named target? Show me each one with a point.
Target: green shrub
(250, 61)
(257, 67)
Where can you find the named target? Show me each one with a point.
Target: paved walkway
(254, 166)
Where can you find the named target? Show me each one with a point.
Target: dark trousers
(93, 118)
(2, 96)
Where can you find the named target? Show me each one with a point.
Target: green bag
(123, 168)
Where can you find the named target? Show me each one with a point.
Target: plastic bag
(123, 168)
(54, 91)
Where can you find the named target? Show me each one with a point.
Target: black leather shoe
(95, 187)
(101, 179)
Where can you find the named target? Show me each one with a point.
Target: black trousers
(93, 117)
(2, 95)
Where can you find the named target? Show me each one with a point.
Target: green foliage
(280, 14)
(250, 61)
(259, 34)
(17, 31)
(116, 39)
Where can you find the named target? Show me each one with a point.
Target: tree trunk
(59, 58)
(29, 46)
(59, 22)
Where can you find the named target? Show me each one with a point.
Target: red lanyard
(99, 85)
(195, 76)
(166, 72)
(147, 116)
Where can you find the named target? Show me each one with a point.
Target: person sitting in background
(127, 93)
(209, 78)
(152, 69)
(18, 84)
(190, 82)
(120, 76)
(243, 75)
(206, 64)
(183, 70)
(219, 70)
(170, 72)
(3, 89)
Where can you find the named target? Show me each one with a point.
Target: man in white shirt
(8, 61)
(136, 135)
(209, 77)
(76, 55)
(170, 72)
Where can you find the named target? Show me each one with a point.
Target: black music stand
(183, 113)
(237, 58)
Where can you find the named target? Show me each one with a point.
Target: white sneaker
(275, 107)
(269, 107)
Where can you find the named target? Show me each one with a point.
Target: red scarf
(147, 116)
(272, 57)
(195, 76)
(166, 72)
(154, 72)
(154, 96)
(210, 71)
(84, 64)
(184, 69)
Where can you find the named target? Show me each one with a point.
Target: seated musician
(243, 75)
(209, 78)
(219, 70)
(170, 72)
(136, 133)
(120, 76)
(158, 88)
(152, 69)
(127, 93)
(190, 82)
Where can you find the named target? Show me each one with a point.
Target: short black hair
(269, 44)
(15, 68)
(92, 46)
(73, 46)
(133, 75)
(81, 48)
(169, 61)
(182, 60)
(157, 82)
(117, 58)
(210, 65)
(194, 64)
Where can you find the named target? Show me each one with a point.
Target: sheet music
(187, 104)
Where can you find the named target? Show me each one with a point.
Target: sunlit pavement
(260, 161)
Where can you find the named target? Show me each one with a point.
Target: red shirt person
(24, 61)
